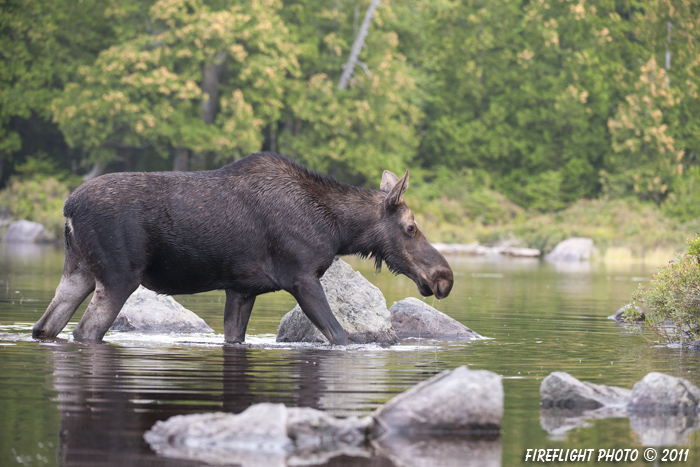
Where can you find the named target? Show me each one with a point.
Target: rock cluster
(662, 409)
(460, 402)
(361, 310)
(476, 249)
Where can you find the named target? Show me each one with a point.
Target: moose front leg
(236, 315)
(312, 299)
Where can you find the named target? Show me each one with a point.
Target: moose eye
(411, 230)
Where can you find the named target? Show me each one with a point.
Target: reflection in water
(540, 320)
(664, 429)
(107, 399)
(558, 421)
(652, 429)
(446, 451)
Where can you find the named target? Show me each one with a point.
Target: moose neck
(357, 213)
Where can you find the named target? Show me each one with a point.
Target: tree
(371, 125)
(656, 129)
(39, 53)
(195, 79)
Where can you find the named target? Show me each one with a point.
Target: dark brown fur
(255, 226)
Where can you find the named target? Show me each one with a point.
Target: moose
(260, 224)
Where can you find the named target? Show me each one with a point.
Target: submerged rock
(359, 307)
(26, 232)
(453, 402)
(446, 411)
(658, 392)
(572, 249)
(148, 311)
(411, 317)
(560, 389)
(617, 316)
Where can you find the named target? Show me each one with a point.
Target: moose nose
(444, 286)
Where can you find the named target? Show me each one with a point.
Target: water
(71, 404)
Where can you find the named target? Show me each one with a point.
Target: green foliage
(673, 297)
(509, 106)
(453, 207)
(149, 89)
(38, 199)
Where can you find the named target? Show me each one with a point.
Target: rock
(520, 252)
(148, 311)
(359, 307)
(318, 437)
(461, 401)
(695, 345)
(658, 392)
(263, 434)
(26, 232)
(572, 249)
(257, 436)
(475, 249)
(411, 317)
(560, 389)
(618, 314)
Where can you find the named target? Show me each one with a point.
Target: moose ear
(397, 191)
(388, 181)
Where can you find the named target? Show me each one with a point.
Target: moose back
(260, 224)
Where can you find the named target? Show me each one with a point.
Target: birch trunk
(357, 46)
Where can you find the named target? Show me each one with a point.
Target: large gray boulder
(411, 317)
(453, 402)
(359, 307)
(148, 311)
(26, 232)
(560, 389)
(658, 392)
(572, 249)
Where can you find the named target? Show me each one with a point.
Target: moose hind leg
(72, 290)
(106, 303)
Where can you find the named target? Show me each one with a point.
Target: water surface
(71, 404)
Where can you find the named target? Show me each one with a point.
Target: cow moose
(261, 224)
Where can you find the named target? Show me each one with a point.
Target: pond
(71, 404)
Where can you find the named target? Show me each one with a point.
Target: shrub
(37, 193)
(673, 299)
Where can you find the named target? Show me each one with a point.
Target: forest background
(521, 121)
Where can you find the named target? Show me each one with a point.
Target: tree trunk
(98, 168)
(181, 163)
(273, 137)
(210, 87)
(357, 46)
(669, 26)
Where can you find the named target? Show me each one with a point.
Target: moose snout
(443, 287)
